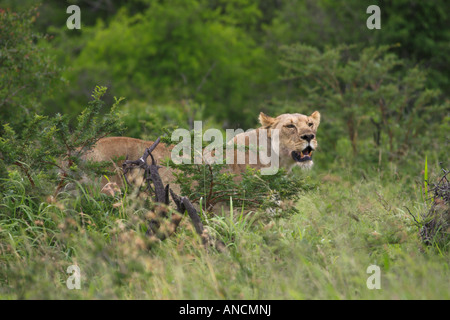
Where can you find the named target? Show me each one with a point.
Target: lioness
(297, 142)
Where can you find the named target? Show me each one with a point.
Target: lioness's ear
(316, 117)
(265, 120)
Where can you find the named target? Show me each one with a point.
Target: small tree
(48, 143)
(27, 70)
(362, 90)
(211, 184)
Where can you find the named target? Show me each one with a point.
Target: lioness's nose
(308, 137)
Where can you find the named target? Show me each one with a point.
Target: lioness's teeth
(301, 154)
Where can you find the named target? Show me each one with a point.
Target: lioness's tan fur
(292, 127)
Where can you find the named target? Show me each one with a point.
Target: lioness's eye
(290, 126)
(310, 124)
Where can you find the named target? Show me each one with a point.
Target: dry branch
(157, 227)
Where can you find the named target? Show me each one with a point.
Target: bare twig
(199, 87)
(27, 173)
(162, 196)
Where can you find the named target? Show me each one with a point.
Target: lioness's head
(297, 136)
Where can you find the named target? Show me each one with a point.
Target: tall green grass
(322, 251)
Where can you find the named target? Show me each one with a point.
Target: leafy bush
(214, 183)
(364, 98)
(27, 70)
(49, 146)
(209, 58)
(148, 121)
(435, 223)
(419, 27)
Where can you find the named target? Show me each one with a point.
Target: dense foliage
(48, 147)
(379, 109)
(26, 70)
(383, 96)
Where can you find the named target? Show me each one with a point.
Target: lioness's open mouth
(305, 155)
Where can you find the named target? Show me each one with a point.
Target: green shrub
(27, 70)
(173, 50)
(49, 146)
(214, 183)
(385, 115)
